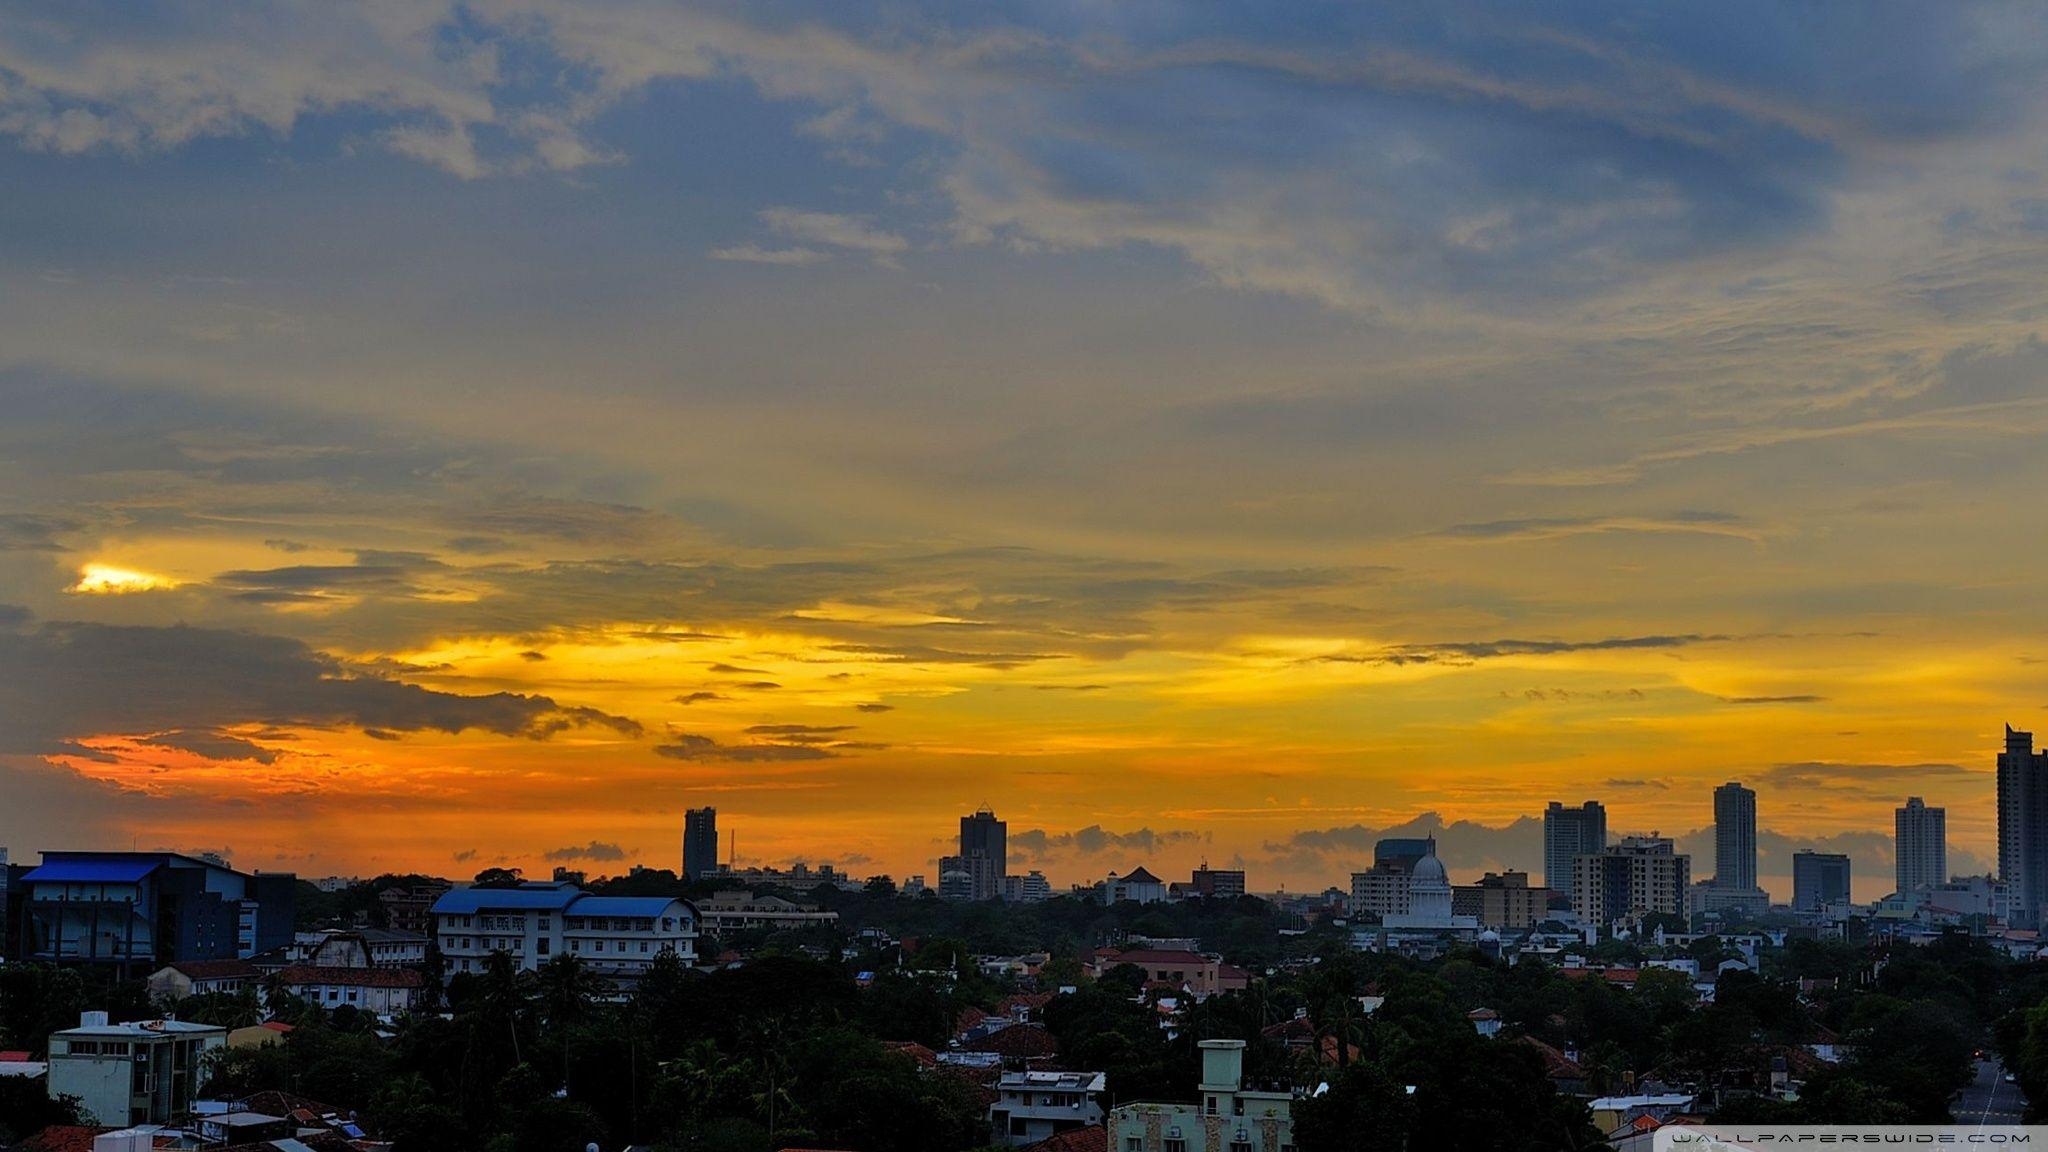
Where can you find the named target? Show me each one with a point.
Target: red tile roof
(925, 1057)
(13, 1057)
(1556, 1065)
(62, 1138)
(351, 977)
(1092, 1138)
(1017, 1040)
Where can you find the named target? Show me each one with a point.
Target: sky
(435, 436)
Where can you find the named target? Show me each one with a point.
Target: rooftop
(351, 977)
(144, 1029)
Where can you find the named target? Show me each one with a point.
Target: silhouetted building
(700, 843)
(2023, 825)
(1569, 833)
(1502, 900)
(1920, 846)
(1734, 837)
(1818, 880)
(984, 854)
(1217, 883)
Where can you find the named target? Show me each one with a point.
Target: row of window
(97, 1047)
(573, 923)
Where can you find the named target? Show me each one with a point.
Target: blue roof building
(138, 911)
(615, 936)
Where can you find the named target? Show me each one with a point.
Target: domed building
(1429, 903)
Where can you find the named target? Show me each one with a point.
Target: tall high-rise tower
(1920, 845)
(2023, 826)
(1569, 833)
(984, 852)
(1734, 837)
(700, 843)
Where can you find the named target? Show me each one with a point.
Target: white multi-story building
(1640, 875)
(144, 1072)
(378, 991)
(1230, 1118)
(1920, 847)
(725, 911)
(617, 936)
(1032, 1106)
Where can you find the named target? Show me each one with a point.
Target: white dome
(1428, 873)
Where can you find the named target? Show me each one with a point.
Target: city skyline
(435, 436)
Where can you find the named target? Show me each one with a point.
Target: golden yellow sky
(442, 437)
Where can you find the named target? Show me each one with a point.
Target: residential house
(1033, 1106)
(182, 978)
(379, 991)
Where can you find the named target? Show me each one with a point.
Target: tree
(880, 887)
(1363, 1108)
(500, 878)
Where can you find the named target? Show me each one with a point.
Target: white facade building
(617, 936)
(1032, 1106)
(145, 1072)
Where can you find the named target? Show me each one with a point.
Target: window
(597, 945)
(1134, 1144)
(1237, 1106)
(575, 945)
(1240, 1146)
(1176, 1146)
(541, 946)
(1210, 1106)
(643, 945)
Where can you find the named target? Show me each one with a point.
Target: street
(1989, 1099)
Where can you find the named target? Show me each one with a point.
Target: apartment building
(143, 1072)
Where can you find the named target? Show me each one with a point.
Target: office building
(1383, 890)
(2023, 826)
(1229, 1117)
(144, 1072)
(1402, 851)
(1819, 879)
(1734, 837)
(1502, 900)
(984, 854)
(700, 843)
(1634, 878)
(138, 911)
(616, 936)
(956, 880)
(1030, 888)
(1920, 846)
(1217, 883)
(1034, 1106)
(1569, 833)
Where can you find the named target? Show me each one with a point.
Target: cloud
(1466, 652)
(689, 698)
(595, 850)
(755, 254)
(464, 856)
(1095, 840)
(1820, 774)
(65, 680)
(703, 749)
(873, 707)
(213, 745)
(29, 532)
(1560, 527)
(852, 233)
(1801, 699)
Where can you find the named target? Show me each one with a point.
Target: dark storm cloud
(213, 745)
(63, 681)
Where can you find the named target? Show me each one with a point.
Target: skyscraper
(1920, 845)
(700, 843)
(984, 853)
(1639, 876)
(1569, 833)
(2023, 826)
(1734, 837)
(1819, 879)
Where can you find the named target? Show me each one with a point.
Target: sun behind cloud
(112, 580)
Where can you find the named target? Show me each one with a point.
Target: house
(363, 948)
(262, 1035)
(379, 991)
(617, 936)
(182, 978)
(1560, 1068)
(1138, 886)
(1229, 1118)
(1034, 1106)
(1485, 1021)
(1612, 1112)
(1093, 1138)
(1200, 974)
(145, 1072)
